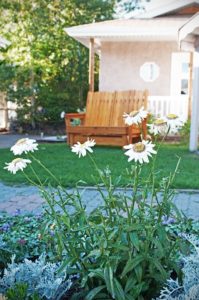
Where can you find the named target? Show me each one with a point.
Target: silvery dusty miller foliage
(40, 276)
(189, 290)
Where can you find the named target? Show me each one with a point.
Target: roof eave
(161, 9)
(186, 35)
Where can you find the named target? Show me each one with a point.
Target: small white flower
(62, 115)
(81, 149)
(159, 126)
(135, 117)
(174, 122)
(17, 164)
(140, 151)
(24, 145)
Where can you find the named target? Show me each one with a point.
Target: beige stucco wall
(120, 65)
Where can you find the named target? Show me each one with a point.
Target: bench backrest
(107, 108)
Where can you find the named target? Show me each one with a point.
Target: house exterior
(133, 53)
(144, 52)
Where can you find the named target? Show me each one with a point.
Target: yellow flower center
(172, 116)
(134, 113)
(159, 122)
(16, 160)
(21, 142)
(139, 147)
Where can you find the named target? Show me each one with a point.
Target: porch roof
(156, 8)
(158, 29)
(189, 34)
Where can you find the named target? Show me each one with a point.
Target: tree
(126, 6)
(43, 69)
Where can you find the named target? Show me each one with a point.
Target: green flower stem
(104, 198)
(152, 173)
(135, 187)
(128, 211)
(54, 214)
(30, 180)
(37, 177)
(46, 169)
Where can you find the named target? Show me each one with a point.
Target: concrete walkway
(7, 140)
(28, 199)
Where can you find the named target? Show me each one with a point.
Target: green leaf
(160, 249)
(131, 264)
(130, 283)
(66, 263)
(95, 253)
(160, 268)
(94, 292)
(96, 273)
(129, 297)
(135, 240)
(66, 220)
(138, 272)
(108, 276)
(133, 227)
(119, 292)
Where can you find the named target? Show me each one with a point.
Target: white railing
(163, 105)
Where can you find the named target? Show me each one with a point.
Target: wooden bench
(103, 120)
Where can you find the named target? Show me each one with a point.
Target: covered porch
(141, 54)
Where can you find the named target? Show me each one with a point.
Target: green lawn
(69, 169)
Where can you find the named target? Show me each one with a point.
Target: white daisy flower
(62, 115)
(17, 164)
(140, 151)
(24, 145)
(174, 122)
(135, 117)
(81, 149)
(159, 126)
(90, 143)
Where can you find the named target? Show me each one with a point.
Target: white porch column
(91, 75)
(193, 143)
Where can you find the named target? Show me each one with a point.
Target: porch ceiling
(158, 29)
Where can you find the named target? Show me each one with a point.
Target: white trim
(160, 29)
(193, 142)
(188, 34)
(160, 7)
(186, 31)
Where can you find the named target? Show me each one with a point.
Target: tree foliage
(126, 6)
(44, 70)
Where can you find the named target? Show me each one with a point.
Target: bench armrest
(69, 117)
